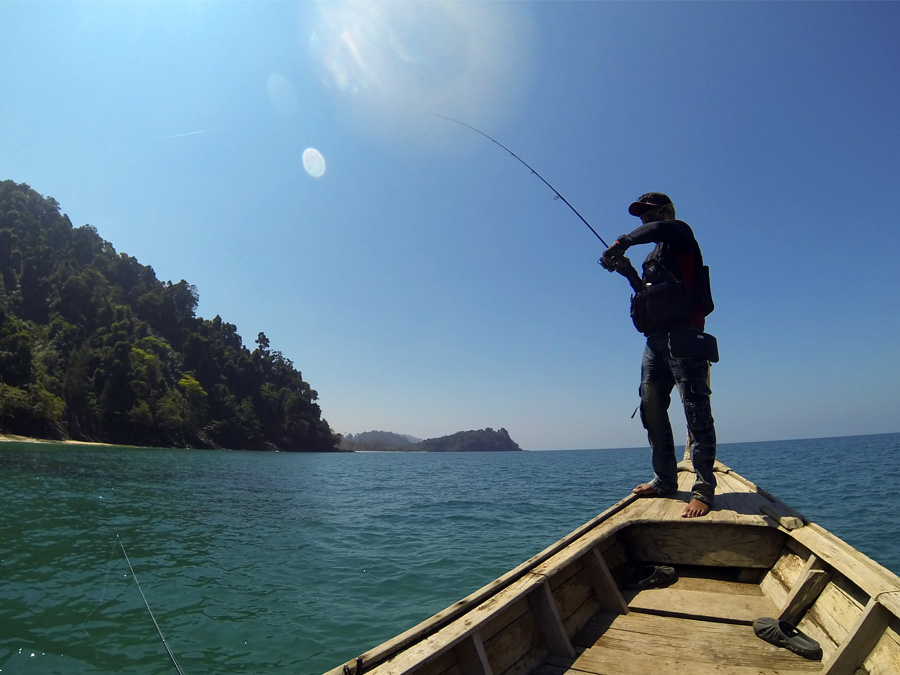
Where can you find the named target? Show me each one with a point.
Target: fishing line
(555, 191)
(112, 553)
(149, 611)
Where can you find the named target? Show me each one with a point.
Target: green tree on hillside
(93, 346)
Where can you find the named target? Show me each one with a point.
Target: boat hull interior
(573, 609)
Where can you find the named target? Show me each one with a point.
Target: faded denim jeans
(660, 373)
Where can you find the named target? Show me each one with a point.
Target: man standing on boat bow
(670, 302)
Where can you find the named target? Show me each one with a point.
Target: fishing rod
(555, 191)
(149, 611)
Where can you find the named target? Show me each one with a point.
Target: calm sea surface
(292, 563)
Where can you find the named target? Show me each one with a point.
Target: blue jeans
(660, 373)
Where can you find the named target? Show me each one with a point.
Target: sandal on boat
(653, 576)
(784, 634)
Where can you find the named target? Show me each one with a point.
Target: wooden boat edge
(425, 641)
(449, 614)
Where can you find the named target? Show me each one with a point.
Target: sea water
(283, 563)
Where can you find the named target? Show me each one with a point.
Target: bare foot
(695, 509)
(644, 490)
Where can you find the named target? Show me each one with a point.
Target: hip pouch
(660, 307)
(692, 344)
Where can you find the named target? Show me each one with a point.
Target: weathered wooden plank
(862, 637)
(812, 582)
(638, 644)
(434, 668)
(779, 512)
(651, 626)
(518, 647)
(499, 620)
(731, 494)
(471, 656)
(692, 542)
(604, 585)
(785, 573)
(742, 500)
(859, 568)
(785, 520)
(694, 647)
(562, 574)
(717, 603)
(738, 609)
(581, 616)
(891, 601)
(884, 659)
(731, 648)
(831, 617)
(657, 507)
(446, 663)
(547, 615)
(623, 660)
(593, 629)
(437, 644)
(526, 663)
(713, 642)
(674, 507)
(575, 600)
(688, 583)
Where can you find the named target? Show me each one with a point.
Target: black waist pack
(660, 307)
(692, 344)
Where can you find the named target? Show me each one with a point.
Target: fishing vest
(666, 303)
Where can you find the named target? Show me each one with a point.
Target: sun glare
(393, 63)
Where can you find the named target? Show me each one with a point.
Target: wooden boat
(567, 610)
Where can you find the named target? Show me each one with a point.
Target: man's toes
(695, 509)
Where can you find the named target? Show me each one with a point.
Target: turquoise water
(286, 563)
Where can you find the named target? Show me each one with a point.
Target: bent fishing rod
(543, 180)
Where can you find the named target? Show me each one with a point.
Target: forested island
(482, 440)
(379, 441)
(94, 347)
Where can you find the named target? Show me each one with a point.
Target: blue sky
(426, 282)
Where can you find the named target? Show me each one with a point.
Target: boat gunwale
(421, 631)
(435, 623)
(879, 583)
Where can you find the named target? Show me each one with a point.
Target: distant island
(482, 440)
(379, 441)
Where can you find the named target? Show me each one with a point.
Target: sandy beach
(9, 438)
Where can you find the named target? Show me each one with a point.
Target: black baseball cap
(648, 202)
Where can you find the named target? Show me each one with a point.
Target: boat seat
(705, 599)
(638, 643)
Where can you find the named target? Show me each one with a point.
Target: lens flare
(314, 162)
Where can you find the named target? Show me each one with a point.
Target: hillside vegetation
(94, 347)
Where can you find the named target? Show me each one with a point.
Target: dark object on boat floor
(653, 576)
(784, 634)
